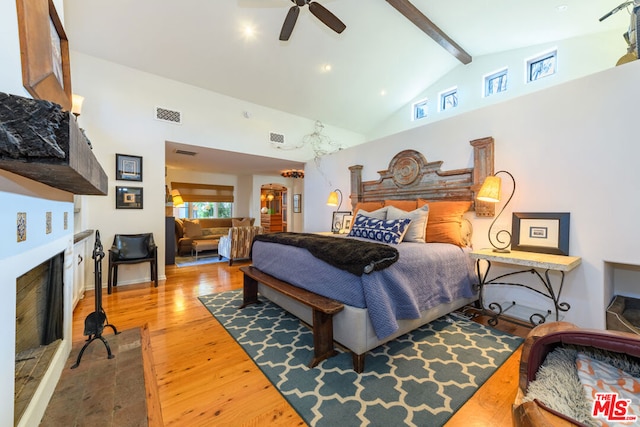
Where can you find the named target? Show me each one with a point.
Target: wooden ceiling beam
(414, 15)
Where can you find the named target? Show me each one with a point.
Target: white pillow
(417, 231)
(377, 214)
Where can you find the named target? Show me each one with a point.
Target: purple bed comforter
(426, 275)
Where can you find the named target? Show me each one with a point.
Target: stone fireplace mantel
(40, 141)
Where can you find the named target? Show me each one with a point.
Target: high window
(448, 99)
(495, 82)
(543, 65)
(420, 110)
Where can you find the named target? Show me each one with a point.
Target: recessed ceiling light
(326, 68)
(383, 92)
(562, 8)
(248, 31)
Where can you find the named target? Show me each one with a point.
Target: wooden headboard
(410, 176)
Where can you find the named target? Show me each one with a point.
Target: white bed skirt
(352, 327)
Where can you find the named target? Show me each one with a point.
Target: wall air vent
(166, 115)
(186, 153)
(276, 138)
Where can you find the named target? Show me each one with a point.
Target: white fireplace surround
(16, 258)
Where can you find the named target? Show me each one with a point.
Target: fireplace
(39, 322)
(47, 161)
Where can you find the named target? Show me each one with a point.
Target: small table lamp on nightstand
(490, 192)
(335, 199)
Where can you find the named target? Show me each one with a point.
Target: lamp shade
(333, 199)
(490, 190)
(76, 104)
(177, 198)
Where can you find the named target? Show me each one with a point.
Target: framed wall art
(129, 198)
(297, 203)
(128, 168)
(540, 232)
(44, 49)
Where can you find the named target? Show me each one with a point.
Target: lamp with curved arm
(490, 192)
(335, 199)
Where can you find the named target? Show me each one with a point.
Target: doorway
(273, 208)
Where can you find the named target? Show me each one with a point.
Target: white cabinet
(79, 266)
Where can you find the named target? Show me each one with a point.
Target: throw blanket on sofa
(352, 255)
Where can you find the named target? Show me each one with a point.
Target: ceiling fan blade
(289, 23)
(327, 18)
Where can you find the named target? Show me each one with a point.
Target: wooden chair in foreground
(542, 340)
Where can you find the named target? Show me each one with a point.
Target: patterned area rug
(205, 258)
(418, 379)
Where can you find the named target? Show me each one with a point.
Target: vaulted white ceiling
(378, 64)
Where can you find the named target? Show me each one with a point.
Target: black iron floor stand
(95, 322)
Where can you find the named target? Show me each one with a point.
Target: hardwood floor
(206, 379)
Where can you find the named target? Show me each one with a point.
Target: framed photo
(546, 233)
(129, 198)
(346, 222)
(44, 49)
(338, 220)
(128, 168)
(297, 203)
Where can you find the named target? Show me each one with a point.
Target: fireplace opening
(39, 325)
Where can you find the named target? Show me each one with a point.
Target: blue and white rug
(419, 379)
(206, 258)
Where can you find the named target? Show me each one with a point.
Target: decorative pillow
(378, 214)
(418, 228)
(367, 206)
(380, 230)
(179, 227)
(405, 205)
(244, 222)
(445, 221)
(192, 228)
(598, 377)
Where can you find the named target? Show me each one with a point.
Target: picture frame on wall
(546, 233)
(44, 47)
(338, 220)
(129, 198)
(297, 203)
(128, 167)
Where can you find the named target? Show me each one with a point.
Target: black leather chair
(132, 249)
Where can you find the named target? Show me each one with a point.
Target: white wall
(577, 57)
(118, 117)
(571, 148)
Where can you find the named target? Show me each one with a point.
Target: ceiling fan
(319, 11)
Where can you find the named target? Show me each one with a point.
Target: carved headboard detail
(411, 176)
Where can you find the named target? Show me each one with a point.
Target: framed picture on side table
(546, 233)
(338, 220)
(128, 168)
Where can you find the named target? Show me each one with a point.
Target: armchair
(237, 243)
(132, 249)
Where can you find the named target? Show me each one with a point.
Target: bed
(430, 278)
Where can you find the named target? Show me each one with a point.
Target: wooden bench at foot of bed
(323, 308)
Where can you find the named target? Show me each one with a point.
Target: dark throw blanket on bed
(355, 256)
